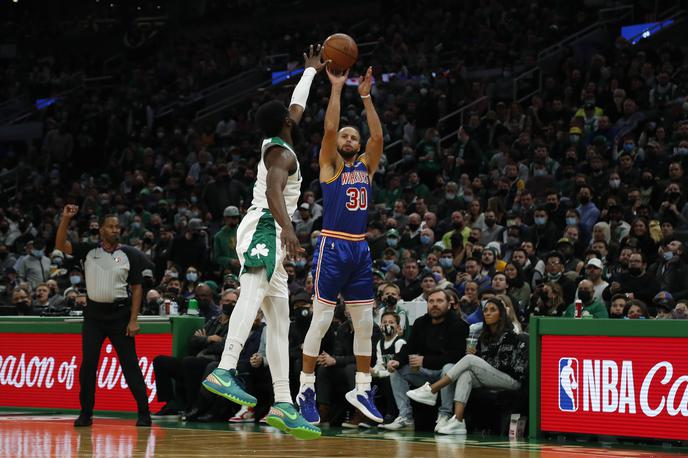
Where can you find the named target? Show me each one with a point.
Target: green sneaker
(285, 417)
(224, 383)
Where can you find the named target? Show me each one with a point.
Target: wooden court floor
(54, 436)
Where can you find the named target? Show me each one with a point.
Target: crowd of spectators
(577, 193)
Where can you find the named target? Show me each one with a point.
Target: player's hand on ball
(314, 58)
(366, 83)
(336, 77)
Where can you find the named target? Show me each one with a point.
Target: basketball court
(32, 435)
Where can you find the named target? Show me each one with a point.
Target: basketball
(342, 50)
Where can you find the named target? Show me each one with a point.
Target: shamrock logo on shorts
(259, 250)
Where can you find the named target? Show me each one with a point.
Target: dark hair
(554, 254)
(502, 326)
(447, 297)
(103, 218)
(270, 117)
(395, 315)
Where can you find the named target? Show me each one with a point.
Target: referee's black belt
(118, 304)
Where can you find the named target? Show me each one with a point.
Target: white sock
(276, 311)
(307, 381)
(363, 381)
(253, 288)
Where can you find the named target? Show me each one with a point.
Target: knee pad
(322, 318)
(362, 320)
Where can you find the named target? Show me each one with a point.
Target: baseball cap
(305, 206)
(392, 233)
(300, 296)
(230, 211)
(195, 224)
(575, 130)
(378, 273)
(665, 300)
(595, 263)
(147, 273)
(564, 240)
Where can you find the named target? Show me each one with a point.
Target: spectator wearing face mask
(671, 271)
(390, 301)
(207, 308)
(191, 248)
(592, 307)
(224, 241)
(34, 268)
(21, 299)
(191, 280)
(386, 348)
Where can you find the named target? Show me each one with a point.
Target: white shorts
(259, 245)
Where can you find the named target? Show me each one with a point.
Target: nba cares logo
(568, 384)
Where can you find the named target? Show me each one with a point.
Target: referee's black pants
(94, 332)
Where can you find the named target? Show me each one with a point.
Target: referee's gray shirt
(108, 274)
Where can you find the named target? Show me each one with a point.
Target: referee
(112, 270)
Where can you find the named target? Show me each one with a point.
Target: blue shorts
(343, 266)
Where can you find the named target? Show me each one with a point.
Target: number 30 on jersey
(358, 199)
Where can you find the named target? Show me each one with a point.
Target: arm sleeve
(300, 95)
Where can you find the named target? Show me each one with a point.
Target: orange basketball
(342, 50)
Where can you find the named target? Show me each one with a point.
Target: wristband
(365, 96)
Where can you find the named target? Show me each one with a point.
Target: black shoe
(208, 418)
(144, 419)
(83, 420)
(166, 411)
(191, 415)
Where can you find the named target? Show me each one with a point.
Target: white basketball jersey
(292, 190)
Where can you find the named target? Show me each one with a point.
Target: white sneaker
(441, 422)
(453, 426)
(424, 395)
(244, 415)
(398, 423)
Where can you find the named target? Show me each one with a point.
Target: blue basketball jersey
(345, 200)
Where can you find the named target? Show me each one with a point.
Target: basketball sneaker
(308, 407)
(365, 402)
(244, 415)
(285, 417)
(224, 383)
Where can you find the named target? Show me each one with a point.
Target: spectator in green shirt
(224, 242)
(591, 306)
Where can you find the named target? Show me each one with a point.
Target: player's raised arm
(373, 151)
(330, 161)
(312, 64)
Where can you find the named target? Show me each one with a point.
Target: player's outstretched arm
(373, 151)
(312, 64)
(329, 160)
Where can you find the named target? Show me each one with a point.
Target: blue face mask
(446, 263)
(300, 263)
(668, 255)
(628, 147)
(192, 277)
(540, 221)
(37, 253)
(74, 279)
(392, 242)
(57, 261)
(135, 226)
(388, 262)
(571, 221)
(425, 239)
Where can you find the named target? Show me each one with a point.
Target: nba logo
(568, 384)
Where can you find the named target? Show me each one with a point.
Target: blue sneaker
(365, 402)
(286, 418)
(224, 383)
(308, 407)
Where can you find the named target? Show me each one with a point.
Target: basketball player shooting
(264, 237)
(342, 262)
